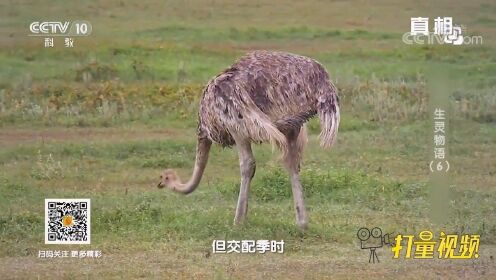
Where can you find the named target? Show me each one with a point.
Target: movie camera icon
(373, 239)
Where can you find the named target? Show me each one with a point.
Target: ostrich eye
(166, 178)
(160, 176)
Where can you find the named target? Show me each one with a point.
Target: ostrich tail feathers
(328, 111)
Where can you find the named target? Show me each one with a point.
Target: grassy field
(102, 120)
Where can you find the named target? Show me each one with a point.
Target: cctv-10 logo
(59, 28)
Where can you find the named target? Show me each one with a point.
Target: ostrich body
(263, 97)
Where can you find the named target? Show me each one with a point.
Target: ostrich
(263, 97)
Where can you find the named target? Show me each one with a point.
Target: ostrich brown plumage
(264, 97)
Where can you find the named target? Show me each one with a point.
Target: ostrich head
(169, 179)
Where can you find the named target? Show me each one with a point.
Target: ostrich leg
(247, 169)
(296, 143)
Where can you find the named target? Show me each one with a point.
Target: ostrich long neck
(202, 151)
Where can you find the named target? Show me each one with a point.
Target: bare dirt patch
(16, 136)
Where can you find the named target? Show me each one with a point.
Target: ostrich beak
(160, 185)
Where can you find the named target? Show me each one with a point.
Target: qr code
(67, 221)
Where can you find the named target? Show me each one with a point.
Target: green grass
(198, 61)
(153, 216)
